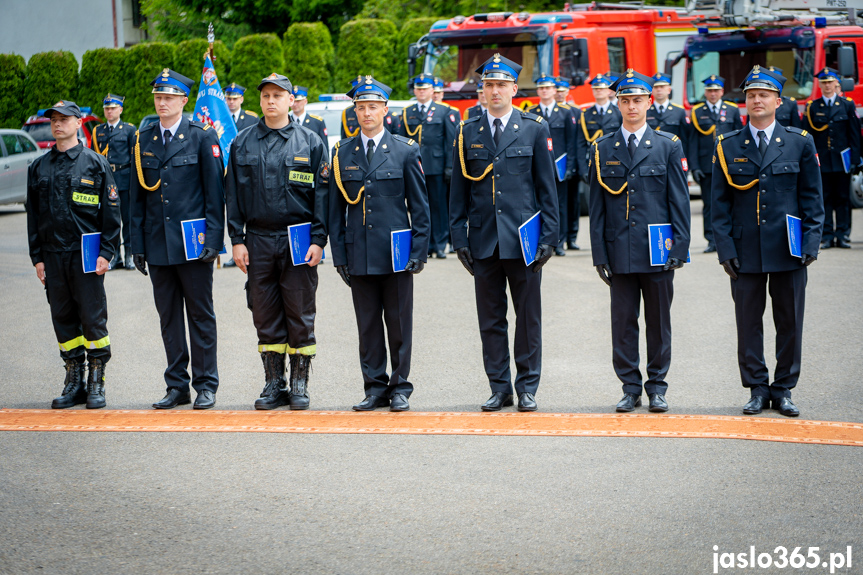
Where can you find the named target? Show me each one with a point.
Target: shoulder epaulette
(316, 117)
(529, 116)
(605, 137)
(471, 119)
(792, 99)
(340, 142)
(729, 134)
(148, 127)
(849, 99)
(678, 106)
(394, 114)
(696, 106)
(732, 104)
(531, 108)
(196, 124)
(795, 130)
(668, 135)
(403, 140)
(251, 113)
(564, 106)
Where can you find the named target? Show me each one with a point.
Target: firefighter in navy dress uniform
(664, 115)
(573, 184)
(376, 187)
(562, 125)
(70, 192)
(115, 140)
(433, 127)
(504, 175)
(832, 120)
(599, 120)
(234, 96)
(179, 175)
(709, 119)
(278, 177)
(638, 179)
(481, 105)
(765, 173)
(300, 116)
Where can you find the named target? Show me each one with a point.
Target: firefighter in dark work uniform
(788, 114)
(278, 177)
(70, 192)
(234, 96)
(115, 140)
(179, 175)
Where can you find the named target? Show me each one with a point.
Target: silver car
(17, 151)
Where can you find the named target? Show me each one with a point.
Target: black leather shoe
(657, 403)
(711, 247)
(843, 243)
(756, 405)
(440, 255)
(74, 386)
(206, 399)
(371, 402)
(130, 265)
(826, 245)
(785, 407)
(559, 251)
(399, 402)
(173, 398)
(229, 264)
(497, 400)
(526, 402)
(629, 402)
(573, 246)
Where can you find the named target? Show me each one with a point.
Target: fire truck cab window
(616, 55)
(831, 55)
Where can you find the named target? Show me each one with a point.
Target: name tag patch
(302, 177)
(612, 163)
(741, 159)
(89, 199)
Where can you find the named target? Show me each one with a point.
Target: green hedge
(255, 57)
(143, 63)
(12, 74)
(51, 76)
(102, 72)
(411, 31)
(366, 47)
(189, 61)
(310, 57)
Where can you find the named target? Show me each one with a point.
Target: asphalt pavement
(354, 504)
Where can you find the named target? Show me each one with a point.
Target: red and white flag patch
(685, 165)
(817, 159)
(217, 151)
(550, 147)
(420, 162)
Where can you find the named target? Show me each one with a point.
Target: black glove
(466, 259)
(447, 173)
(604, 271)
(343, 272)
(698, 175)
(807, 259)
(672, 264)
(567, 176)
(585, 178)
(543, 254)
(140, 262)
(731, 266)
(415, 266)
(208, 255)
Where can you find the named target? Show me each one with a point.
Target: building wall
(31, 26)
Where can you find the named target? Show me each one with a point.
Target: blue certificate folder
(846, 159)
(401, 248)
(529, 234)
(194, 233)
(795, 236)
(91, 245)
(300, 240)
(560, 164)
(660, 240)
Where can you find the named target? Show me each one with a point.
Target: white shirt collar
(546, 110)
(302, 118)
(603, 109)
(172, 129)
(427, 105)
(377, 139)
(115, 124)
(503, 120)
(768, 131)
(639, 133)
(829, 101)
(660, 107)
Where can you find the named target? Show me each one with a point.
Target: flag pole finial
(211, 37)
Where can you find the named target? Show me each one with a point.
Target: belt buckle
(113, 167)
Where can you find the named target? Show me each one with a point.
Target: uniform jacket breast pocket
(390, 180)
(674, 122)
(352, 181)
(150, 163)
(613, 176)
(518, 159)
(652, 177)
(742, 173)
(189, 160)
(299, 171)
(477, 161)
(785, 176)
(85, 193)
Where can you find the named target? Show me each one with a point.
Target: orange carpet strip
(439, 423)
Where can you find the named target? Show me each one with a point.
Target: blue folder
(91, 245)
(529, 234)
(846, 159)
(194, 233)
(795, 235)
(560, 164)
(300, 240)
(401, 249)
(661, 239)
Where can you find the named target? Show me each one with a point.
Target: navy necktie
(498, 128)
(631, 146)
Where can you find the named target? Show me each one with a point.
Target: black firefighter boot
(96, 385)
(300, 365)
(74, 391)
(275, 392)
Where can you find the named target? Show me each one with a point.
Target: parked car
(17, 151)
(330, 108)
(39, 128)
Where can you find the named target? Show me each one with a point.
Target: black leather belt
(274, 233)
(118, 167)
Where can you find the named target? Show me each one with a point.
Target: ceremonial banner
(211, 109)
